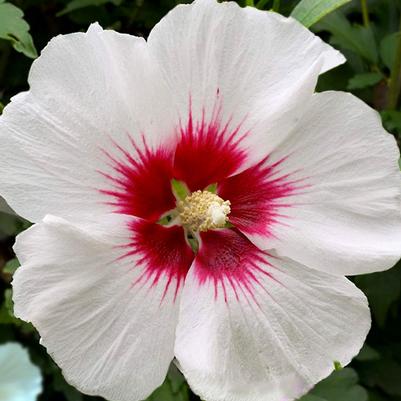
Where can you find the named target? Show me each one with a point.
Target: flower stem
(395, 78)
(276, 6)
(365, 13)
(250, 3)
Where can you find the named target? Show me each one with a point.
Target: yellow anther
(202, 211)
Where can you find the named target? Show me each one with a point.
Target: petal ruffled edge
(275, 344)
(111, 332)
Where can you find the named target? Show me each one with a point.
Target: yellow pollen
(203, 210)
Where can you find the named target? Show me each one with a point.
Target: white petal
(348, 221)
(274, 347)
(259, 65)
(110, 336)
(85, 89)
(20, 379)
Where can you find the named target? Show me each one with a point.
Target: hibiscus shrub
(366, 32)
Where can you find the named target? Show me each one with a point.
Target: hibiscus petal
(256, 68)
(347, 218)
(105, 316)
(206, 152)
(141, 182)
(259, 197)
(90, 93)
(272, 338)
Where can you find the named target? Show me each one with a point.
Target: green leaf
(384, 374)
(78, 4)
(174, 388)
(8, 302)
(11, 266)
(261, 4)
(356, 38)
(15, 29)
(308, 12)
(311, 397)
(69, 392)
(367, 353)
(382, 289)
(5, 317)
(378, 396)
(392, 120)
(388, 49)
(7, 314)
(361, 81)
(1, 107)
(341, 385)
(10, 224)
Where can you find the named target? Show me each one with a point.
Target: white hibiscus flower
(20, 379)
(195, 199)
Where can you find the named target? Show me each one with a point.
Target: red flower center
(207, 160)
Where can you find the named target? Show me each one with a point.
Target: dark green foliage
(370, 48)
(15, 29)
(308, 12)
(341, 385)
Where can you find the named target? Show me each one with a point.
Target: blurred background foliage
(368, 32)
